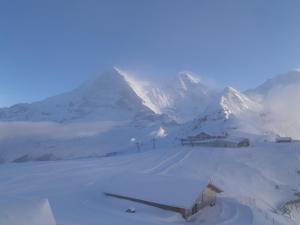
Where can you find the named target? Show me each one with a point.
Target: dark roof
(158, 188)
(214, 188)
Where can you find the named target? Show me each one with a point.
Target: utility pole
(138, 146)
(154, 143)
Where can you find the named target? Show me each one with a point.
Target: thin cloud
(283, 105)
(50, 130)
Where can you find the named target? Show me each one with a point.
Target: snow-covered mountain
(232, 102)
(228, 110)
(183, 98)
(270, 109)
(104, 114)
(117, 96)
(108, 97)
(101, 116)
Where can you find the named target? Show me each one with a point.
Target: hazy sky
(47, 47)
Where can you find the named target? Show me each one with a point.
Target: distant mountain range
(184, 106)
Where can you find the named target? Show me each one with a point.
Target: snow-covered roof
(168, 190)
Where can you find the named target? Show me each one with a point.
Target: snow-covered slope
(110, 96)
(256, 181)
(24, 211)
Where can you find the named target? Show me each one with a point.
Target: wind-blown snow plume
(282, 104)
(184, 97)
(140, 88)
(51, 130)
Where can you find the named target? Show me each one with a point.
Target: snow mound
(15, 211)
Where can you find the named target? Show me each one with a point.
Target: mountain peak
(188, 82)
(187, 77)
(112, 73)
(230, 89)
(230, 102)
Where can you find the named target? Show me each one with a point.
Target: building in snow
(181, 195)
(283, 139)
(206, 140)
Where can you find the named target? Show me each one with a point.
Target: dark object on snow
(244, 142)
(130, 210)
(206, 140)
(29, 158)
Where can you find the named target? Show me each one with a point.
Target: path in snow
(226, 212)
(168, 162)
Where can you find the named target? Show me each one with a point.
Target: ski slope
(249, 178)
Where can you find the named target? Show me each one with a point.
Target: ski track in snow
(230, 213)
(241, 213)
(168, 162)
(176, 163)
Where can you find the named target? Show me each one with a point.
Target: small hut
(181, 195)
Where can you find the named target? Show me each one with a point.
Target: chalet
(181, 195)
(283, 139)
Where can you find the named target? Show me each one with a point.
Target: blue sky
(48, 47)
